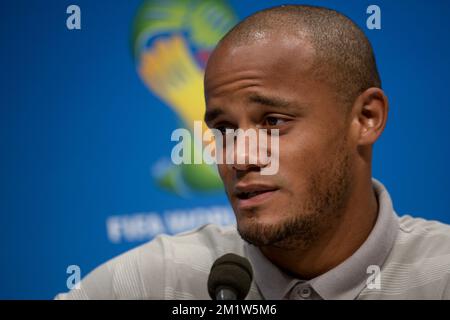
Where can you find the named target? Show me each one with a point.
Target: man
(321, 225)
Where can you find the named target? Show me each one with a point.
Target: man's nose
(244, 167)
(246, 152)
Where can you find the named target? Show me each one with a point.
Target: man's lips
(251, 195)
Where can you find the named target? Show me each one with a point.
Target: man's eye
(274, 121)
(222, 129)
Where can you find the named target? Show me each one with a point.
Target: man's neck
(338, 242)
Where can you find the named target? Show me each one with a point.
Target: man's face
(267, 85)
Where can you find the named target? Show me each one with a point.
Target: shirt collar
(347, 279)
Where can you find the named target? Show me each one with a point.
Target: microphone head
(233, 272)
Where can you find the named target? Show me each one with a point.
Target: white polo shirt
(412, 254)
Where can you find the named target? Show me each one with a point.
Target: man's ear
(369, 116)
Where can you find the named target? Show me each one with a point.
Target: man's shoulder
(421, 242)
(419, 231)
(418, 266)
(197, 248)
(199, 245)
(158, 269)
(209, 236)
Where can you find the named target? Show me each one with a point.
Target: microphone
(230, 278)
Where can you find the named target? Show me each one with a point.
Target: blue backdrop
(82, 136)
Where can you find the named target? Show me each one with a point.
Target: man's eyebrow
(268, 101)
(271, 101)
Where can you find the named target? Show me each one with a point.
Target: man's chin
(261, 218)
(259, 230)
(263, 213)
(269, 230)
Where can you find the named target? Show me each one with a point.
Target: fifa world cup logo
(171, 43)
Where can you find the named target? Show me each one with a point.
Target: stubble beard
(327, 195)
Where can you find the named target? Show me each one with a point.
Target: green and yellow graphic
(171, 43)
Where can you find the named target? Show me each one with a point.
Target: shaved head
(343, 57)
